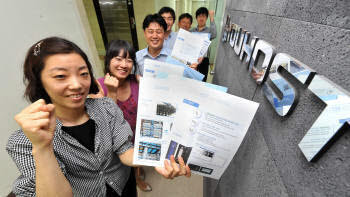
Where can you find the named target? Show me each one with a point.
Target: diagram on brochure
(157, 105)
(184, 117)
(207, 135)
(156, 111)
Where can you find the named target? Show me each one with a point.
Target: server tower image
(165, 109)
(151, 128)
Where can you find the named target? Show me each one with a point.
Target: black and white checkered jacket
(86, 172)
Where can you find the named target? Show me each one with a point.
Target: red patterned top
(129, 107)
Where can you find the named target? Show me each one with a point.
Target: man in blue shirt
(154, 27)
(168, 15)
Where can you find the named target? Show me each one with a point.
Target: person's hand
(211, 15)
(194, 66)
(257, 75)
(100, 93)
(172, 170)
(38, 122)
(111, 84)
(200, 60)
(138, 78)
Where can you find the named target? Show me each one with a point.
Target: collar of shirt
(170, 35)
(93, 114)
(145, 53)
(204, 29)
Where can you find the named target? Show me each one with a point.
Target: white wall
(23, 23)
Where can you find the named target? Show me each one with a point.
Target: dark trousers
(203, 68)
(129, 189)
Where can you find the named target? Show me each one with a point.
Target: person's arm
(127, 158)
(38, 123)
(49, 180)
(212, 27)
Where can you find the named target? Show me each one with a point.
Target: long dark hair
(35, 61)
(113, 50)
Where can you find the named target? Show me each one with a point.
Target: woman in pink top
(122, 86)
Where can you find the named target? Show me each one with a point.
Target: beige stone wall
(141, 9)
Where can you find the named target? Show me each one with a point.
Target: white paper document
(163, 70)
(156, 111)
(208, 132)
(158, 97)
(189, 47)
(180, 116)
(206, 44)
(157, 69)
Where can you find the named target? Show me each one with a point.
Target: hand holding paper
(172, 170)
(194, 66)
(184, 120)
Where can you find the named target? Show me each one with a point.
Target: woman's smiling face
(121, 65)
(67, 80)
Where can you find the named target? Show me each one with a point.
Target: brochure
(189, 47)
(185, 117)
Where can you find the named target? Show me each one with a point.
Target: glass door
(116, 20)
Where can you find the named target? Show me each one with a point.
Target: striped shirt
(87, 172)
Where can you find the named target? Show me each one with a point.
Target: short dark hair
(186, 15)
(154, 18)
(113, 50)
(35, 62)
(202, 10)
(167, 10)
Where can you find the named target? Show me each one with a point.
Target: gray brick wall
(269, 162)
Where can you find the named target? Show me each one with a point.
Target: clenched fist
(111, 84)
(211, 15)
(38, 122)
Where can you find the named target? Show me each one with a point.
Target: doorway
(116, 19)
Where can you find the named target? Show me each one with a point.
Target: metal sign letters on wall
(282, 95)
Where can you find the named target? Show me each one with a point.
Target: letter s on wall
(288, 100)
